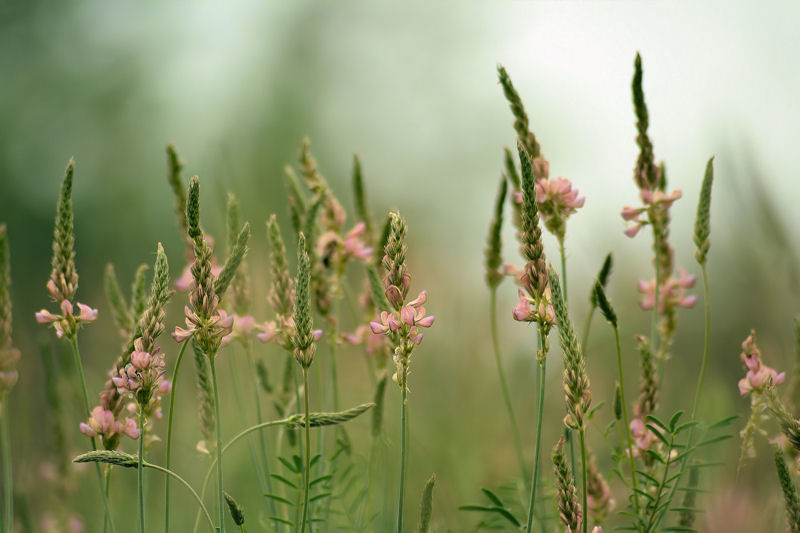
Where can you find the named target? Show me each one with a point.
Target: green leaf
(654, 429)
(724, 422)
(284, 480)
(280, 499)
(674, 420)
(426, 506)
(492, 496)
(499, 510)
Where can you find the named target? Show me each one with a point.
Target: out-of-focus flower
(655, 203)
(67, 322)
(672, 293)
(758, 374)
(102, 423)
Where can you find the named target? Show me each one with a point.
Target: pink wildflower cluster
(67, 322)
(102, 423)
(373, 342)
(243, 327)
(527, 310)
(143, 378)
(557, 199)
(411, 316)
(758, 374)
(330, 245)
(653, 201)
(218, 325)
(281, 331)
(671, 294)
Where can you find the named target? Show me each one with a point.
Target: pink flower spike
(377, 328)
(45, 317)
(417, 339)
(87, 314)
(393, 323)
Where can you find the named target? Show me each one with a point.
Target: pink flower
(353, 246)
(522, 311)
(758, 374)
(672, 293)
(651, 200)
(411, 316)
(373, 342)
(67, 323)
(103, 424)
(269, 331)
(558, 194)
(242, 327)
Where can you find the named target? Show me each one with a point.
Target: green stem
(76, 355)
(259, 420)
(140, 471)
(307, 469)
(7, 473)
(504, 385)
(108, 491)
(403, 445)
(627, 424)
(539, 415)
(220, 485)
(169, 432)
(254, 459)
(656, 302)
(583, 465)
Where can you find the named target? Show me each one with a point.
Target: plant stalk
(140, 471)
(169, 432)
(541, 371)
(403, 445)
(220, 485)
(76, 355)
(8, 483)
(307, 458)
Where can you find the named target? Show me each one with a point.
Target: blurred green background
(412, 88)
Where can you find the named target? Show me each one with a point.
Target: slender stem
(108, 491)
(583, 465)
(169, 432)
(403, 445)
(706, 343)
(627, 424)
(539, 414)
(140, 471)
(260, 419)
(254, 459)
(170, 473)
(76, 355)
(8, 484)
(220, 485)
(307, 469)
(656, 297)
(503, 383)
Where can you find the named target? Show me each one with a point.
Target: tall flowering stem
(304, 349)
(169, 432)
(206, 323)
(401, 325)
(61, 286)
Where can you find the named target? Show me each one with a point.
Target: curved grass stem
(140, 471)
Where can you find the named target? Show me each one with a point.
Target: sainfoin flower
(67, 322)
(655, 200)
(527, 310)
(410, 316)
(243, 326)
(102, 423)
(330, 245)
(758, 374)
(184, 282)
(280, 331)
(672, 293)
(373, 342)
(220, 325)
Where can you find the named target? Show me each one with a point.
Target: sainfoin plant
(337, 283)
